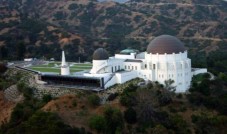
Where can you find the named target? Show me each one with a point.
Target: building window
(153, 66)
(132, 67)
(136, 67)
(115, 68)
(125, 67)
(128, 67)
(112, 69)
(119, 68)
(145, 66)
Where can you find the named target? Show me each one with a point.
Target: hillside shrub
(130, 116)
(111, 97)
(73, 6)
(3, 68)
(45, 122)
(114, 119)
(93, 100)
(27, 91)
(74, 103)
(46, 98)
(127, 100)
(98, 123)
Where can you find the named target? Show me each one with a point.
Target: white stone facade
(165, 59)
(154, 67)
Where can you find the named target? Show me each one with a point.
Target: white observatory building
(165, 58)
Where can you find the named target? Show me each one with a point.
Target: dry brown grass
(79, 115)
(6, 109)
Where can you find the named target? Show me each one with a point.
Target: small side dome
(165, 44)
(100, 54)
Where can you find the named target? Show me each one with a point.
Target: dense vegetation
(152, 108)
(155, 109)
(27, 117)
(3, 82)
(28, 30)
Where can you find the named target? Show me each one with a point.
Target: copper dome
(100, 54)
(165, 44)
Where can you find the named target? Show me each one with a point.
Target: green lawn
(83, 65)
(80, 67)
(47, 69)
(51, 67)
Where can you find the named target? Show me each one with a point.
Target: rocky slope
(6, 109)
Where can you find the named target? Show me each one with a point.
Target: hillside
(37, 28)
(149, 109)
(6, 109)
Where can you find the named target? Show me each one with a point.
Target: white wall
(125, 76)
(28, 59)
(116, 65)
(97, 65)
(65, 70)
(107, 66)
(132, 66)
(121, 78)
(165, 57)
(112, 82)
(140, 55)
(124, 56)
(176, 67)
(197, 71)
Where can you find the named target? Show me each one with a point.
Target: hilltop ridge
(81, 26)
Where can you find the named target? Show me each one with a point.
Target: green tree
(3, 68)
(27, 91)
(3, 52)
(127, 100)
(94, 100)
(178, 124)
(169, 85)
(45, 123)
(130, 115)
(114, 119)
(158, 129)
(46, 98)
(222, 76)
(20, 50)
(98, 123)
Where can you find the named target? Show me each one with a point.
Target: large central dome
(165, 44)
